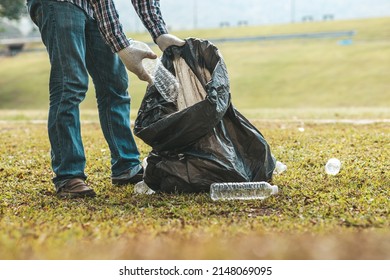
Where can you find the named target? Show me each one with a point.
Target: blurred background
(285, 59)
(194, 14)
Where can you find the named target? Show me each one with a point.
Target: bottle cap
(333, 166)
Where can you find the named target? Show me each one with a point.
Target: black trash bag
(206, 142)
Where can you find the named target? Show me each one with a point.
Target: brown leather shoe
(126, 178)
(75, 188)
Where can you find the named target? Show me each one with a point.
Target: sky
(189, 14)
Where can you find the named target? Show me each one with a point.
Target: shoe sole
(89, 193)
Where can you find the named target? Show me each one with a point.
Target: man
(81, 37)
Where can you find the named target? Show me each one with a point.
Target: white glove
(132, 57)
(165, 40)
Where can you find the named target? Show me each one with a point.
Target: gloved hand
(132, 58)
(165, 40)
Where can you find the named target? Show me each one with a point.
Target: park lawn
(314, 216)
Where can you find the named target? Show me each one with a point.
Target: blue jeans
(76, 48)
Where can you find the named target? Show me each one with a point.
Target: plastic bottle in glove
(242, 190)
(164, 81)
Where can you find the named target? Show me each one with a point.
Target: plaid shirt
(106, 15)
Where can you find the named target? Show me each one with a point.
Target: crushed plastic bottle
(142, 188)
(280, 167)
(164, 81)
(333, 166)
(242, 190)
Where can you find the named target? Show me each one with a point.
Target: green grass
(314, 216)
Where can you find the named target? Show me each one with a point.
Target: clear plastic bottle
(333, 166)
(242, 190)
(280, 167)
(142, 188)
(164, 81)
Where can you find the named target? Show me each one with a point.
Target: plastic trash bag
(200, 138)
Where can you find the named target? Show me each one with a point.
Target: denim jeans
(76, 49)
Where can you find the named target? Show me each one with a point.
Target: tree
(12, 9)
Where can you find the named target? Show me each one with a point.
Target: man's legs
(62, 26)
(111, 82)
